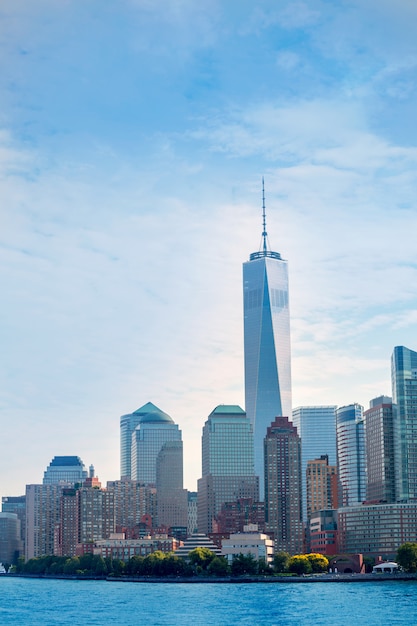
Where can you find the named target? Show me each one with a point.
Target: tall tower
(227, 464)
(379, 438)
(404, 396)
(266, 341)
(283, 486)
(351, 455)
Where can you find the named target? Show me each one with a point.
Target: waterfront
(80, 603)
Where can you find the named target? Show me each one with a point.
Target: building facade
(135, 504)
(267, 350)
(11, 545)
(379, 436)
(322, 532)
(65, 470)
(153, 430)
(283, 516)
(351, 454)
(316, 425)
(172, 500)
(376, 530)
(404, 392)
(42, 518)
(250, 541)
(227, 464)
(322, 485)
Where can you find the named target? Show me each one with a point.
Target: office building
(379, 437)
(316, 425)
(283, 517)
(404, 396)
(351, 455)
(11, 546)
(66, 470)
(16, 504)
(128, 424)
(249, 542)
(267, 350)
(153, 430)
(227, 463)
(172, 500)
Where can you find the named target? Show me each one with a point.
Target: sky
(134, 136)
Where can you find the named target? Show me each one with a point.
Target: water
(77, 603)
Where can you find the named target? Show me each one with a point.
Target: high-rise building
(65, 470)
(128, 424)
(227, 463)
(153, 430)
(351, 457)
(404, 396)
(11, 545)
(316, 425)
(42, 518)
(172, 498)
(266, 342)
(379, 436)
(283, 486)
(16, 504)
(135, 504)
(321, 485)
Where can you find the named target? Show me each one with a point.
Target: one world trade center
(266, 342)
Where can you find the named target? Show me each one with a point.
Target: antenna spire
(264, 233)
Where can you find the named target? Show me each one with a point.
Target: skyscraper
(379, 438)
(65, 470)
(171, 496)
(154, 428)
(404, 392)
(283, 486)
(266, 341)
(351, 457)
(316, 426)
(227, 463)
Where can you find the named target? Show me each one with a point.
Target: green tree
(407, 556)
(201, 557)
(244, 564)
(319, 563)
(299, 564)
(219, 567)
(280, 562)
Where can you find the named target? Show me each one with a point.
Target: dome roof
(150, 413)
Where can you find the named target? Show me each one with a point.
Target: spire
(264, 233)
(263, 249)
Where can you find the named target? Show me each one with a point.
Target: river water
(25, 601)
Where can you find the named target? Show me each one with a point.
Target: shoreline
(311, 578)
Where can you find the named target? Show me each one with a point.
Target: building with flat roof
(11, 546)
(250, 541)
(351, 454)
(227, 464)
(379, 437)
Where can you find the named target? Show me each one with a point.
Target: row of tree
(200, 562)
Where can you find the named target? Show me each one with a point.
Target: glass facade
(266, 345)
(316, 426)
(404, 391)
(65, 470)
(351, 455)
(380, 451)
(227, 463)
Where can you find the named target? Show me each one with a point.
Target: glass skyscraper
(227, 464)
(404, 392)
(266, 343)
(316, 426)
(351, 454)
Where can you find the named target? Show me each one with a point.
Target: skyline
(133, 141)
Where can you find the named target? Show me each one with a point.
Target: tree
(201, 557)
(407, 556)
(299, 564)
(244, 564)
(280, 562)
(319, 563)
(219, 567)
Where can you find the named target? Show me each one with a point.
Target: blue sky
(133, 139)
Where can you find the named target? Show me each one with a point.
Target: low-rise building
(259, 545)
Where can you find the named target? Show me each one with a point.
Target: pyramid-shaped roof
(150, 413)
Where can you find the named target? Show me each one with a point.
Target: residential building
(227, 463)
(351, 456)
(379, 437)
(135, 505)
(42, 518)
(267, 351)
(316, 425)
(234, 516)
(322, 487)
(404, 395)
(378, 529)
(250, 541)
(283, 517)
(322, 532)
(117, 546)
(153, 430)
